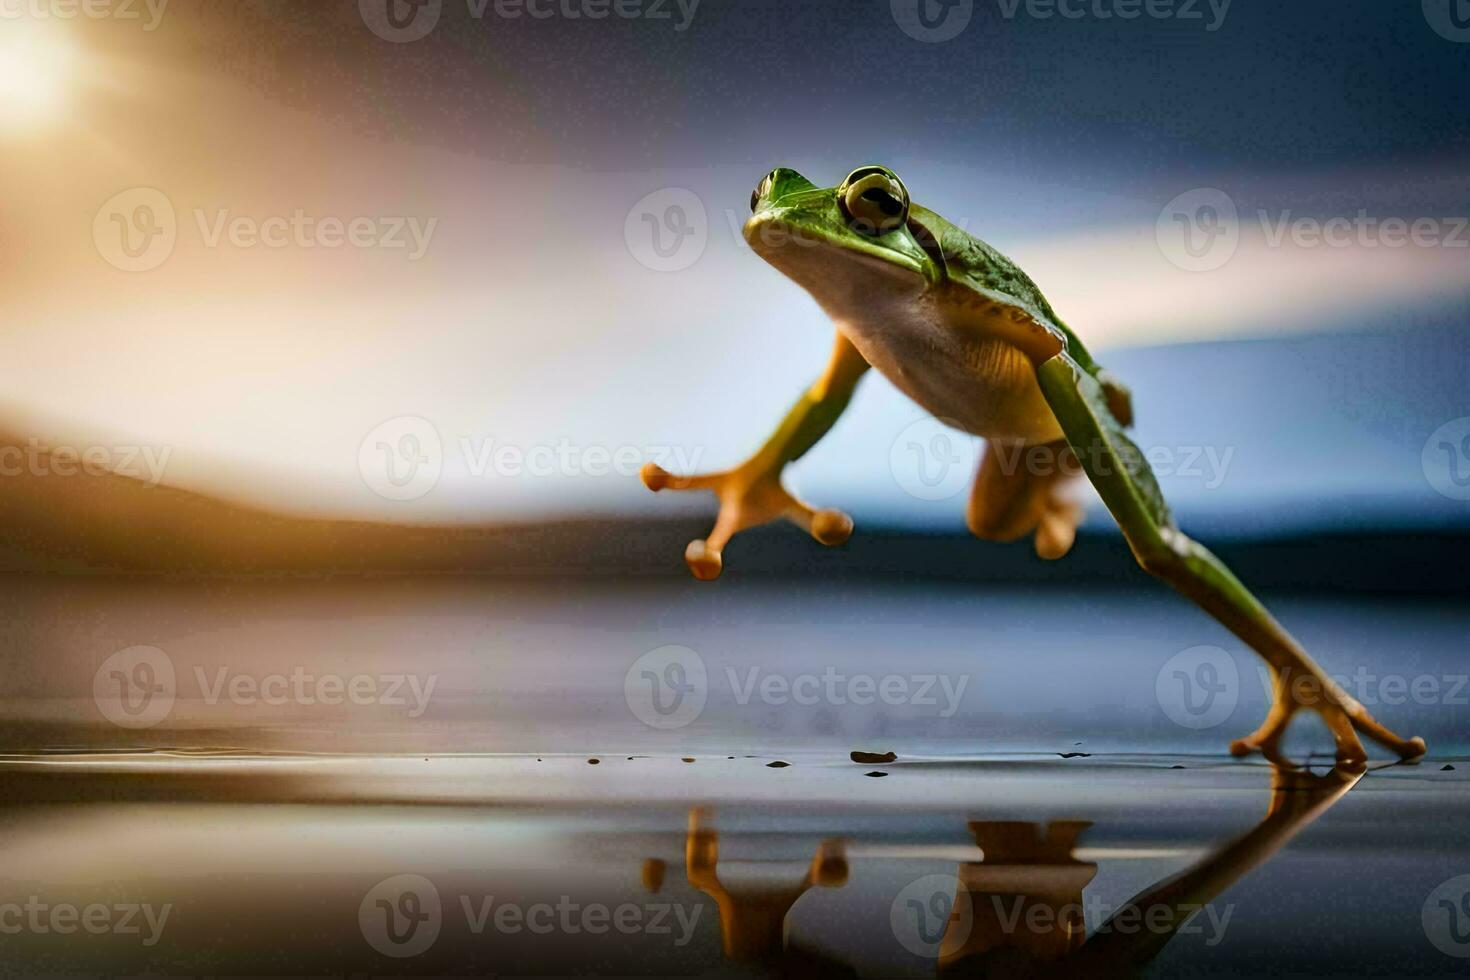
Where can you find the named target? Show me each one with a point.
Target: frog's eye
(874, 200)
(761, 190)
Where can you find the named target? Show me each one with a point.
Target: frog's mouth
(809, 246)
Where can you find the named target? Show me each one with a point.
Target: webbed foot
(1345, 718)
(749, 495)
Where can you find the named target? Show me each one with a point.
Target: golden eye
(874, 200)
(761, 190)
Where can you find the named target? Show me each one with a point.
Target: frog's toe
(1055, 534)
(656, 478)
(829, 527)
(705, 562)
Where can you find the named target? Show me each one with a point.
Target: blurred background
(304, 304)
(458, 261)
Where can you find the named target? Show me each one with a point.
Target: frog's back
(994, 282)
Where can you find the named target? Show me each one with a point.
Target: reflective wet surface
(468, 778)
(657, 866)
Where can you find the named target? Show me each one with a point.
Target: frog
(969, 337)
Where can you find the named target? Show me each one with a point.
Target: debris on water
(653, 874)
(593, 762)
(778, 764)
(1446, 768)
(876, 773)
(729, 757)
(686, 759)
(873, 758)
(1075, 755)
(1176, 767)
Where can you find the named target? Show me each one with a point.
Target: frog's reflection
(1028, 875)
(753, 916)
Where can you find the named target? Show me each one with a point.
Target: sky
(291, 245)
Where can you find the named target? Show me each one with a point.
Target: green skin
(965, 333)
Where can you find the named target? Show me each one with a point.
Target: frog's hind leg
(1022, 489)
(1122, 477)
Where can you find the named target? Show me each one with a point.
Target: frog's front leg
(751, 493)
(1123, 480)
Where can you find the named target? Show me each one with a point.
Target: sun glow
(36, 67)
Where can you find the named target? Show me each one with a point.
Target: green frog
(966, 334)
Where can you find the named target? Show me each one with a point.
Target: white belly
(958, 373)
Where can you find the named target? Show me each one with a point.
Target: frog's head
(839, 241)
